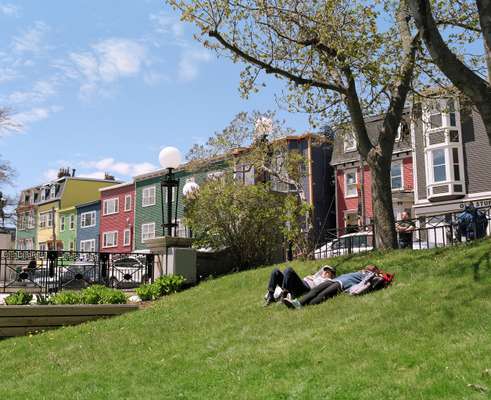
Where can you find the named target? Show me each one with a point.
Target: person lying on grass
(291, 283)
(331, 288)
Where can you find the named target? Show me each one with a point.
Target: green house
(148, 207)
(68, 228)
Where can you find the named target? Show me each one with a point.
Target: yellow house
(62, 194)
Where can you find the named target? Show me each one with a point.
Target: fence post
(52, 257)
(150, 260)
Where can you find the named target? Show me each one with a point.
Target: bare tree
(471, 16)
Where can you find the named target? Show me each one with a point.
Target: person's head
(372, 268)
(405, 215)
(329, 271)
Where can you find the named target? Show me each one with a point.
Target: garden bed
(22, 320)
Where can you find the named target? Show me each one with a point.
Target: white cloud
(10, 10)
(31, 40)
(50, 174)
(164, 24)
(35, 114)
(108, 61)
(8, 74)
(93, 175)
(189, 63)
(122, 168)
(40, 92)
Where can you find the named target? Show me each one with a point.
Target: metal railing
(51, 271)
(440, 230)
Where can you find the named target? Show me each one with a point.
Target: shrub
(168, 284)
(66, 297)
(19, 298)
(147, 291)
(98, 294)
(162, 286)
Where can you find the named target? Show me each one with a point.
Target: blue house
(88, 226)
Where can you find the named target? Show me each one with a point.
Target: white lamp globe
(190, 189)
(169, 157)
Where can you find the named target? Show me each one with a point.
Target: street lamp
(169, 159)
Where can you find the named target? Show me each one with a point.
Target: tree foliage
(337, 61)
(467, 21)
(246, 219)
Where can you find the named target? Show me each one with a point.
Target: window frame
(105, 203)
(104, 243)
(125, 242)
(62, 223)
(401, 166)
(445, 164)
(349, 148)
(71, 222)
(146, 197)
(84, 242)
(93, 215)
(346, 193)
(143, 239)
(126, 197)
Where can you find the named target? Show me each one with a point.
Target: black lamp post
(169, 158)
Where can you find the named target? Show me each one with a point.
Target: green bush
(147, 291)
(162, 286)
(19, 298)
(98, 294)
(95, 294)
(66, 297)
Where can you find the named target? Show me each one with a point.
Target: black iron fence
(51, 271)
(429, 232)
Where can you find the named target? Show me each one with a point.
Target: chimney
(73, 171)
(63, 172)
(109, 177)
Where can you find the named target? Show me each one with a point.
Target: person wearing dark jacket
(331, 288)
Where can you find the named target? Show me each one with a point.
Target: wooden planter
(21, 320)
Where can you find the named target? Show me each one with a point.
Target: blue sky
(103, 85)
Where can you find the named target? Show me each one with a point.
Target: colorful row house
(88, 226)
(117, 218)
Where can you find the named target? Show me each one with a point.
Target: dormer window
(349, 142)
(52, 192)
(43, 194)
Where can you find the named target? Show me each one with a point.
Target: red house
(117, 218)
(353, 189)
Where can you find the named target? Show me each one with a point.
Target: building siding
(68, 235)
(88, 232)
(121, 220)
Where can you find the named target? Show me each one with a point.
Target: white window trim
(346, 172)
(104, 239)
(62, 223)
(355, 143)
(116, 207)
(154, 196)
(142, 233)
(127, 243)
(91, 244)
(402, 175)
(93, 213)
(128, 196)
(71, 222)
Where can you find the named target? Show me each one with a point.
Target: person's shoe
(269, 300)
(292, 303)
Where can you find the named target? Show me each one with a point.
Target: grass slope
(426, 337)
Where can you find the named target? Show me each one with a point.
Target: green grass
(426, 337)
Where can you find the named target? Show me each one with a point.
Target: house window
(350, 189)
(46, 220)
(43, 247)
(439, 166)
(30, 220)
(148, 231)
(456, 165)
(72, 222)
(126, 237)
(62, 223)
(174, 191)
(72, 245)
(127, 202)
(87, 219)
(349, 142)
(110, 239)
(148, 196)
(111, 206)
(87, 245)
(396, 175)
(43, 194)
(42, 220)
(52, 191)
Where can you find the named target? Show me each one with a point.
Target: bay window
(350, 178)
(396, 175)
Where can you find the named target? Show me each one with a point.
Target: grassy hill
(426, 337)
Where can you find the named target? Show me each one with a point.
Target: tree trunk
(383, 213)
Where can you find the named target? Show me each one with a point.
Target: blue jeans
(289, 281)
